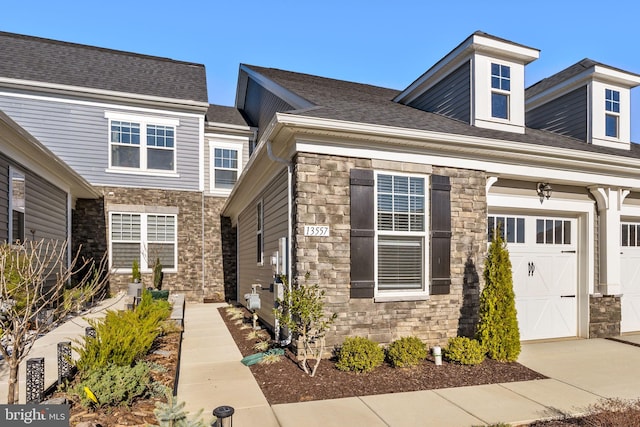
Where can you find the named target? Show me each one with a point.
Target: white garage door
(543, 255)
(630, 277)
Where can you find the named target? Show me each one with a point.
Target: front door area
(543, 253)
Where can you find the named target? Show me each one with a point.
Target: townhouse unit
(135, 130)
(389, 198)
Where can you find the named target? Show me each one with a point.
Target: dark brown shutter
(362, 233)
(440, 235)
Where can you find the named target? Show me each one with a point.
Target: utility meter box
(253, 298)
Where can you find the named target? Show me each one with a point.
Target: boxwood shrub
(464, 351)
(406, 352)
(359, 354)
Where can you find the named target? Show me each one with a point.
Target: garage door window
(630, 233)
(553, 231)
(512, 228)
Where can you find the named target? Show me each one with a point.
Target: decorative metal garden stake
(35, 379)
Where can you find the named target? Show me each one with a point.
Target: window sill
(170, 174)
(219, 192)
(400, 298)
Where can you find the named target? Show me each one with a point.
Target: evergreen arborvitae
(498, 325)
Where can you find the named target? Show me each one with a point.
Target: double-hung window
(401, 234)
(143, 237)
(612, 115)
(500, 89)
(226, 164)
(142, 143)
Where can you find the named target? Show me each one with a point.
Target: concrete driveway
(602, 367)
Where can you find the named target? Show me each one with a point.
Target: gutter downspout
(289, 165)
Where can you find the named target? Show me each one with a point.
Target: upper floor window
(612, 116)
(226, 164)
(142, 143)
(501, 86)
(401, 233)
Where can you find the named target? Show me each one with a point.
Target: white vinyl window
(226, 165)
(401, 234)
(612, 116)
(143, 238)
(142, 143)
(500, 89)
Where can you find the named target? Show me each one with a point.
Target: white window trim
(216, 143)
(143, 121)
(146, 265)
(410, 294)
(611, 113)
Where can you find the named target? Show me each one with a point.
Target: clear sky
(386, 43)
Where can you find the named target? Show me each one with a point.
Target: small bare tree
(33, 277)
(302, 311)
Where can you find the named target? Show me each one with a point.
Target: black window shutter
(440, 235)
(362, 233)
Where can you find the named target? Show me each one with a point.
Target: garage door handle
(567, 252)
(567, 296)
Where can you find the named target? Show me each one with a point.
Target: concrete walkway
(581, 373)
(47, 346)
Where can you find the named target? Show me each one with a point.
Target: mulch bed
(286, 382)
(140, 413)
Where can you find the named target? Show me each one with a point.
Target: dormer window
(500, 88)
(612, 106)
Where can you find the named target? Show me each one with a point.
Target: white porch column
(609, 202)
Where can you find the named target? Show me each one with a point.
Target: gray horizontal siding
(79, 135)
(450, 97)
(275, 226)
(45, 205)
(566, 115)
(261, 105)
(45, 210)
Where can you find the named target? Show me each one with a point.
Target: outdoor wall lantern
(544, 191)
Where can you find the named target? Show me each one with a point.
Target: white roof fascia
(493, 147)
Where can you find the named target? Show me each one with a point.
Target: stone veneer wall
(605, 313)
(189, 278)
(89, 229)
(215, 254)
(322, 197)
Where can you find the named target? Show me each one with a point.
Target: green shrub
(406, 351)
(114, 385)
(359, 354)
(498, 323)
(122, 337)
(464, 351)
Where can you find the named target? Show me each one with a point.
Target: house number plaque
(316, 230)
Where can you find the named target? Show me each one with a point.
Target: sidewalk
(47, 347)
(211, 374)
(581, 373)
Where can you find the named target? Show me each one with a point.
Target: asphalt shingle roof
(357, 102)
(50, 61)
(227, 115)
